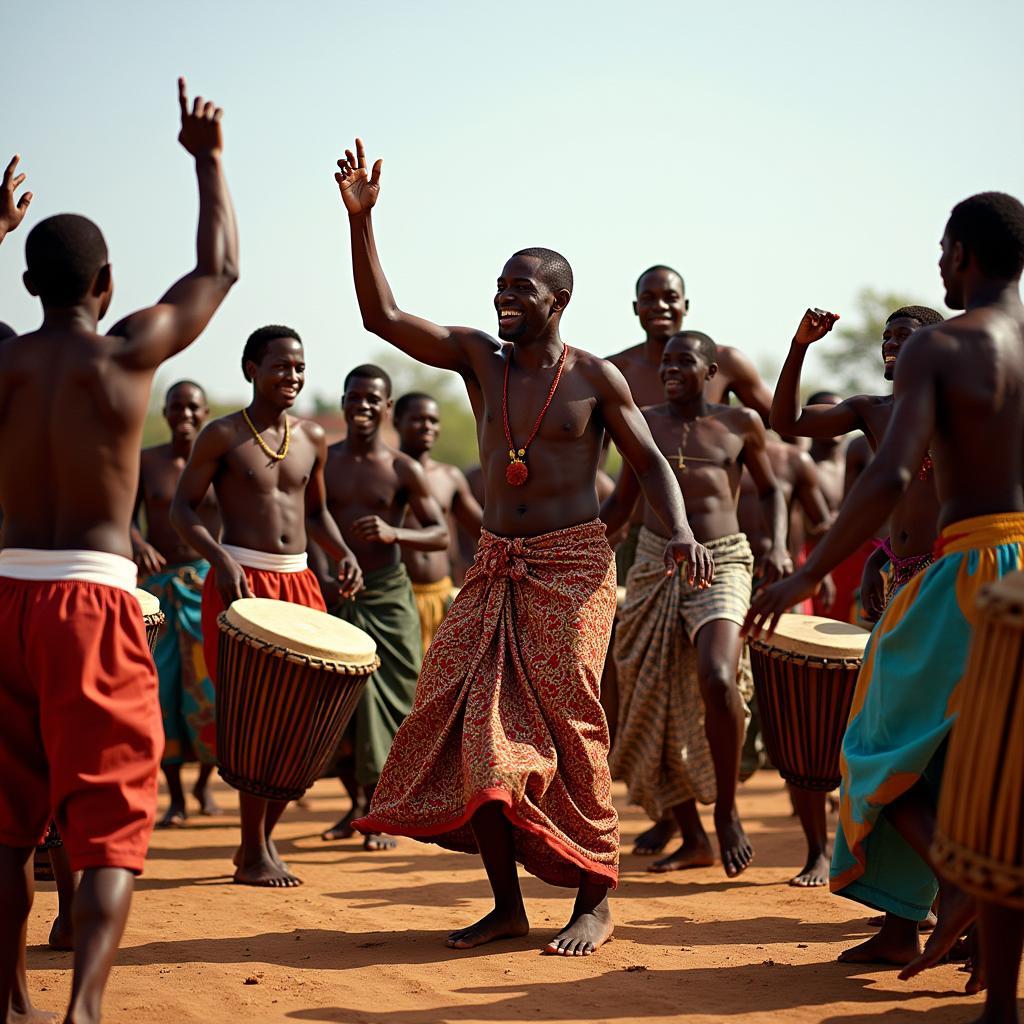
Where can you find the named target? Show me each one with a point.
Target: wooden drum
(288, 681)
(979, 841)
(151, 616)
(805, 677)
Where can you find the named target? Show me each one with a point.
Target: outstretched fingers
(182, 96)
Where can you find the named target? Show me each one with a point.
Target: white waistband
(84, 566)
(267, 560)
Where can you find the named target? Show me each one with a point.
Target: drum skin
(979, 841)
(280, 715)
(152, 617)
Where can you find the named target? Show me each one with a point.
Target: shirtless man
(505, 750)
(418, 421)
(958, 384)
(370, 490)
(174, 573)
(267, 471)
(72, 638)
(658, 749)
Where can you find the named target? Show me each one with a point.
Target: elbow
(781, 422)
(379, 321)
(229, 274)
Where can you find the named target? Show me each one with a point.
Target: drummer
(174, 573)
(267, 471)
(418, 422)
(681, 715)
(71, 630)
(370, 489)
(958, 384)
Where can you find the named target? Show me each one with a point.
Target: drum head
(303, 631)
(816, 637)
(150, 604)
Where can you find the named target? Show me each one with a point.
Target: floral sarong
(507, 709)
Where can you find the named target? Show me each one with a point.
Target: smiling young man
(505, 751)
(677, 647)
(418, 421)
(958, 385)
(267, 471)
(174, 572)
(370, 490)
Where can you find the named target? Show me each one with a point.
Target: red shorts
(80, 727)
(293, 587)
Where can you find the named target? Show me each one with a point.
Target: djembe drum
(805, 677)
(979, 841)
(288, 681)
(153, 618)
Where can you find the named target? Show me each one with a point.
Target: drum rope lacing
(277, 651)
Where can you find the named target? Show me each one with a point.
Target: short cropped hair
(7, 331)
(924, 315)
(63, 254)
(184, 384)
(554, 267)
(257, 342)
(658, 266)
(819, 397)
(367, 371)
(707, 348)
(402, 405)
(990, 226)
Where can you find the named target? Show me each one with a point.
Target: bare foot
(208, 806)
(174, 818)
(895, 944)
(375, 842)
(655, 839)
(266, 873)
(690, 855)
(343, 829)
(511, 924)
(924, 926)
(585, 933)
(32, 1016)
(733, 844)
(957, 912)
(61, 935)
(815, 872)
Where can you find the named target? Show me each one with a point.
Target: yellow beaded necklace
(281, 452)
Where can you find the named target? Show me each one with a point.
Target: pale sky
(778, 155)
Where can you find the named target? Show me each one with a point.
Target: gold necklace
(681, 456)
(281, 452)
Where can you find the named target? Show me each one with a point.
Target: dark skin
(75, 393)
(371, 490)
(185, 410)
(468, 542)
(266, 505)
(562, 462)
(957, 385)
(715, 443)
(418, 429)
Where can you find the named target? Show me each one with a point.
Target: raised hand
(814, 325)
(200, 129)
(358, 193)
(12, 213)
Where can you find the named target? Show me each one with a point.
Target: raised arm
(775, 563)
(632, 436)
(876, 492)
(444, 347)
(822, 421)
(159, 332)
(432, 533)
(12, 211)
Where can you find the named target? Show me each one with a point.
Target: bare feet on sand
(376, 841)
(498, 924)
(585, 933)
(692, 854)
(208, 806)
(655, 839)
(895, 944)
(266, 870)
(32, 1016)
(733, 844)
(343, 829)
(815, 872)
(924, 926)
(174, 818)
(957, 912)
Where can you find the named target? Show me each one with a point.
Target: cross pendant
(680, 459)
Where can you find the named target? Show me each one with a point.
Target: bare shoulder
(628, 355)
(405, 465)
(156, 453)
(308, 428)
(732, 362)
(605, 377)
(736, 417)
(221, 432)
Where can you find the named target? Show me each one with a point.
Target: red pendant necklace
(516, 472)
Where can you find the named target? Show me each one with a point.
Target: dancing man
(80, 734)
(175, 574)
(267, 471)
(505, 751)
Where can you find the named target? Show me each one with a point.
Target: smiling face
(684, 370)
(419, 425)
(366, 405)
(524, 301)
(661, 303)
(893, 339)
(279, 376)
(185, 411)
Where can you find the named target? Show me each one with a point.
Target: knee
(718, 687)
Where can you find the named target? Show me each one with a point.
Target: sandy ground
(363, 939)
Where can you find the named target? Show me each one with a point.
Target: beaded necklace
(281, 452)
(516, 472)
